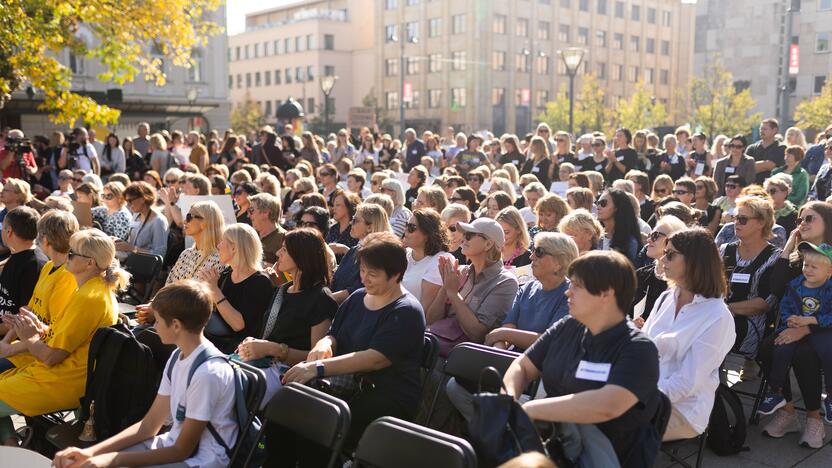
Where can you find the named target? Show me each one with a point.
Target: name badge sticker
(729, 170)
(515, 162)
(620, 158)
(595, 371)
(535, 169)
(743, 278)
(700, 168)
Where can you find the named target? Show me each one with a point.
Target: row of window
(257, 79)
(521, 27)
(278, 47)
(459, 99)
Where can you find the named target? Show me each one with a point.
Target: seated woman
(55, 285)
(452, 215)
(113, 216)
(426, 240)
(474, 298)
(301, 311)
(785, 213)
(377, 334)
(343, 209)
(51, 372)
(617, 214)
(541, 302)
(692, 329)
(596, 368)
(241, 293)
(650, 282)
(515, 252)
(148, 228)
(204, 223)
(583, 228)
(369, 218)
(549, 210)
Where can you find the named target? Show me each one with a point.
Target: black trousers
(807, 369)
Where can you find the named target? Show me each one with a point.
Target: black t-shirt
(251, 297)
(775, 152)
(300, 312)
(410, 196)
(648, 285)
(541, 170)
(19, 278)
(699, 158)
(677, 165)
(515, 157)
(631, 361)
(396, 330)
(628, 157)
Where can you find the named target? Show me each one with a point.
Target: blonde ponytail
(117, 278)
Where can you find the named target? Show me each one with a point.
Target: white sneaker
(813, 434)
(781, 424)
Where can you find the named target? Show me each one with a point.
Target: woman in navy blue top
(369, 218)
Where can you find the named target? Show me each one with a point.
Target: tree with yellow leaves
(247, 117)
(816, 113)
(641, 110)
(34, 32)
(716, 105)
(557, 111)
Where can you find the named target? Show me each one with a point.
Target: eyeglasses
(171, 181)
(239, 192)
(72, 254)
(602, 203)
(411, 227)
(457, 199)
(656, 235)
(680, 192)
(308, 224)
(735, 146)
(661, 191)
(806, 219)
(743, 220)
(64, 178)
(471, 235)
(108, 196)
(731, 186)
(327, 174)
(670, 254)
(190, 217)
(539, 252)
(772, 190)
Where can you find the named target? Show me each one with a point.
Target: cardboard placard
(358, 117)
(83, 213)
(559, 188)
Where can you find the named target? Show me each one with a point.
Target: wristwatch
(319, 368)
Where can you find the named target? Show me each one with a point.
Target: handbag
(449, 333)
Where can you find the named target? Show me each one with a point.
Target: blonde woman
(662, 188)
(583, 228)
(538, 162)
(268, 183)
(204, 223)
(500, 184)
(795, 137)
(515, 252)
(113, 216)
(241, 293)
(431, 197)
(55, 371)
(452, 215)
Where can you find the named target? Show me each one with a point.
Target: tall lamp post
(529, 53)
(402, 67)
(572, 58)
(327, 83)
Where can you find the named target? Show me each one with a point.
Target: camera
(19, 146)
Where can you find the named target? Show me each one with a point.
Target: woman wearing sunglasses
(736, 163)
(651, 281)
(113, 217)
(203, 223)
(369, 218)
(779, 188)
(618, 215)
(426, 240)
(452, 215)
(241, 194)
(148, 228)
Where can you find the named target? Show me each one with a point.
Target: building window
(329, 70)
(245, 49)
(618, 72)
(435, 27)
(299, 75)
(566, 3)
(583, 36)
(415, 101)
(633, 73)
(391, 4)
(458, 24)
(499, 24)
(563, 33)
(267, 78)
(412, 2)
(650, 46)
(618, 41)
(820, 82)
(635, 44)
(602, 7)
(522, 28)
(666, 48)
(822, 42)
(287, 45)
(635, 13)
(542, 65)
(601, 38)
(458, 98)
(276, 46)
(583, 5)
(665, 18)
(391, 99)
(543, 30)
(329, 42)
(239, 81)
(521, 62)
(230, 81)
(412, 30)
(458, 60)
(648, 75)
(268, 110)
(310, 106)
(257, 81)
(434, 98)
(542, 98)
(651, 15)
(391, 67)
(664, 77)
(601, 70)
(310, 42)
(391, 32)
(238, 52)
(288, 75)
(498, 60)
(300, 44)
(265, 49)
(310, 73)
(619, 9)
(248, 80)
(412, 65)
(277, 77)
(257, 50)
(498, 96)
(197, 70)
(435, 63)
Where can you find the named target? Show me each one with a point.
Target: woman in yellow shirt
(55, 285)
(55, 378)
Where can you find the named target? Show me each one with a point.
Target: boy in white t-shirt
(181, 311)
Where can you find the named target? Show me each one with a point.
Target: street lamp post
(572, 58)
(327, 83)
(411, 38)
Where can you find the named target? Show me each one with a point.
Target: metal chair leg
(754, 418)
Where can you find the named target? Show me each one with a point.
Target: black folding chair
(671, 449)
(144, 270)
(466, 361)
(430, 354)
(311, 414)
(389, 442)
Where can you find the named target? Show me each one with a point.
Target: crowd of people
(624, 268)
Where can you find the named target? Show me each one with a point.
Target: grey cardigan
(746, 170)
(152, 235)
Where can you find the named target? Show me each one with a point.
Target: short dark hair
(456, 180)
(437, 236)
(737, 179)
(687, 183)
(771, 122)
(469, 196)
(321, 217)
(249, 188)
(422, 172)
(187, 301)
(740, 138)
(23, 222)
(351, 200)
(703, 265)
(628, 135)
(141, 189)
(307, 248)
(581, 179)
(384, 251)
(603, 270)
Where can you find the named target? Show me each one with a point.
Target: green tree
(129, 37)
(591, 109)
(816, 112)
(641, 110)
(716, 105)
(247, 117)
(557, 111)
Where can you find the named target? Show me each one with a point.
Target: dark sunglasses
(457, 199)
(239, 192)
(602, 203)
(540, 252)
(806, 219)
(130, 200)
(411, 227)
(772, 190)
(680, 192)
(743, 220)
(656, 235)
(471, 235)
(731, 186)
(327, 174)
(108, 196)
(190, 217)
(171, 181)
(735, 146)
(670, 254)
(308, 224)
(72, 254)
(452, 228)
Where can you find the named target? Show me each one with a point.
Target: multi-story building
(284, 52)
(750, 37)
(192, 98)
(476, 64)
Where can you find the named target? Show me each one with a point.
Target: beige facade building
(750, 37)
(469, 65)
(286, 50)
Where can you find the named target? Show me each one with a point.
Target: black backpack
(726, 427)
(122, 380)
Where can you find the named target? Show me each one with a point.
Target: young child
(181, 311)
(807, 302)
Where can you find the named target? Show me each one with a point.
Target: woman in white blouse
(205, 224)
(692, 329)
(426, 239)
